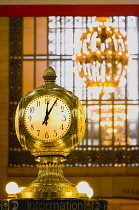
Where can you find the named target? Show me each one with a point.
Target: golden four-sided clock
(50, 120)
(49, 123)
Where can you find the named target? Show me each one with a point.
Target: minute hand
(52, 106)
(46, 115)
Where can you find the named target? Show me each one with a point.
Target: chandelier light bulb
(109, 39)
(109, 52)
(116, 30)
(90, 29)
(74, 57)
(98, 51)
(109, 64)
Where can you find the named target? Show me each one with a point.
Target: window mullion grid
(86, 142)
(113, 136)
(73, 31)
(138, 79)
(126, 108)
(35, 40)
(100, 129)
(47, 42)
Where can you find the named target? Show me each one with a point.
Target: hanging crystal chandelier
(112, 120)
(119, 117)
(103, 58)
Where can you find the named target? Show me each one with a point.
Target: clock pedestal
(50, 182)
(52, 191)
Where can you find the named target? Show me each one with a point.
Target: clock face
(47, 118)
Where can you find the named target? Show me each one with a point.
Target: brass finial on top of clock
(49, 75)
(50, 123)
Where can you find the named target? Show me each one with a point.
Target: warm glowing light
(109, 52)
(20, 189)
(11, 188)
(74, 57)
(69, 193)
(110, 118)
(109, 64)
(98, 51)
(104, 48)
(112, 121)
(116, 30)
(110, 130)
(84, 188)
(90, 29)
(90, 192)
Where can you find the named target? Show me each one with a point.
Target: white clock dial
(47, 118)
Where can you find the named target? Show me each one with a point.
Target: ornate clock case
(49, 123)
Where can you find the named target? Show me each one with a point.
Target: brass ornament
(50, 123)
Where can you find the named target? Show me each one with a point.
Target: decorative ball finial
(49, 75)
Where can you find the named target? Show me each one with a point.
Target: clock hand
(52, 106)
(46, 116)
(48, 112)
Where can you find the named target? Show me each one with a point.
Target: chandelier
(103, 59)
(112, 119)
(112, 116)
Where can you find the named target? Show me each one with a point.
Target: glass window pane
(93, 125)
(68, 44)
(41, 35)
(28, 76)
(40, 67)
(119, 125)
(132, 117)
(132, 35)
(132, 79)
(28, 35)
(106, 124)
(53, 41)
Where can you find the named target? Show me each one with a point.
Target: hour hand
(45, 120)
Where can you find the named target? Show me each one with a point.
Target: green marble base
(57, 204)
